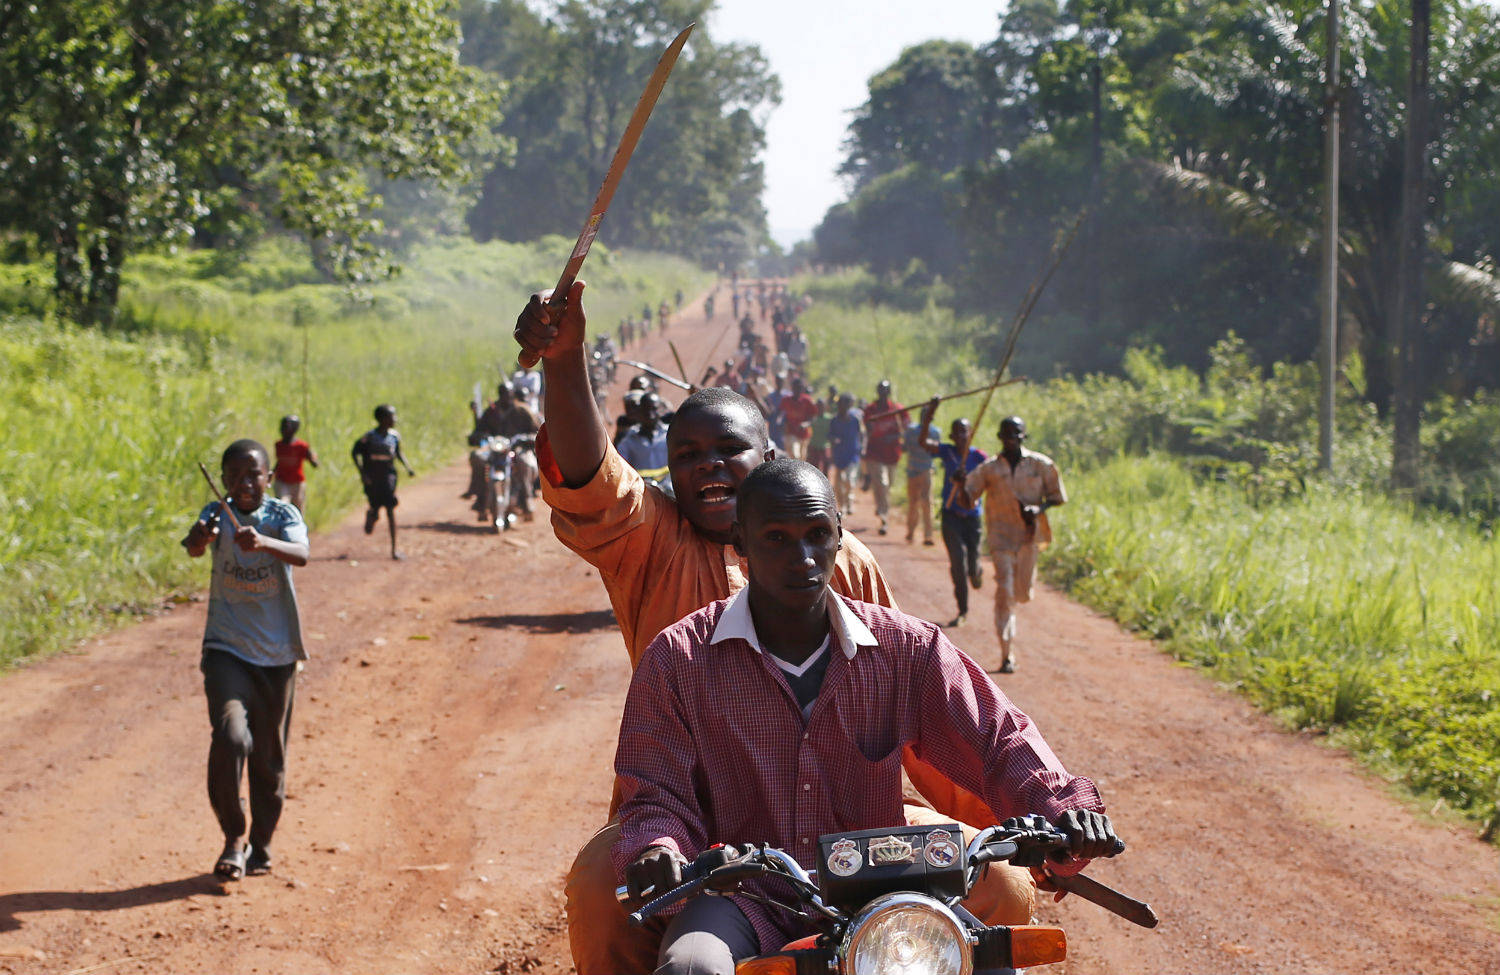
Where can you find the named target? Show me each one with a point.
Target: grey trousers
(250, 709)
(707, 938)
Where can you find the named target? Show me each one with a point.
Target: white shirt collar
(736, 623)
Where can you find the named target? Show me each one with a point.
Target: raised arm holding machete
(551, 328)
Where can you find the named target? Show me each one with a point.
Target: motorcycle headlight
(906, 934)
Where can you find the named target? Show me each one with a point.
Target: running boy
(290, 483)
(251, 647)
(375, 455)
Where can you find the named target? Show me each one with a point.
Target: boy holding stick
(251, 646)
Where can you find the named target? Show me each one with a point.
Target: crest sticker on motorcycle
(941, 850)
(891, 849)
(844, 859)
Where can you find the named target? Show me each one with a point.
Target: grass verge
(104, 430)
(1333, 606)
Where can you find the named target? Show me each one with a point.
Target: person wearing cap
(1017, 488)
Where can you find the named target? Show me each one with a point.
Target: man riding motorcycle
(505, 417)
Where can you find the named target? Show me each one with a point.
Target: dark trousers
(961, 538)
(707, 938)
(250, 709)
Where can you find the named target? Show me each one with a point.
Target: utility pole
(1094, 287)
(1406, 333)
(1328, 332)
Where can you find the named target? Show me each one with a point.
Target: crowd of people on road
(749, 611)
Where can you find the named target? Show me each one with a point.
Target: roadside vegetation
(1196, 518)
(104, 429)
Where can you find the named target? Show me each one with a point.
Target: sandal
(258, 864)
(231, 863)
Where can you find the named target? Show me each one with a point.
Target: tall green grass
(1192, 521)
(1341, 611)
(103, 431)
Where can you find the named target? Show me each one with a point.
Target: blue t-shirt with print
(252, 607)
(948, 455)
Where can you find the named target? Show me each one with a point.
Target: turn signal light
(1032, 945)
(769, 965)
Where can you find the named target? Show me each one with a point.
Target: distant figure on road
(919, 476)
(252, 644)
(289, 482)
(845, 443)
(797, 413)
(375, 455)
(644, 445)
(959, 516)
(883, 448)
(1018, 487)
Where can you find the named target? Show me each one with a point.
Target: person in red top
(883, 437)
(797, 412)
(289, 482)
(780, 714)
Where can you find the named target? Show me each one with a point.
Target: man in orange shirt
(660, 561)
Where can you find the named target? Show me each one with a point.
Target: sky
(824, 52)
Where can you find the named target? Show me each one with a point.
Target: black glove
(654, 872)
(1089, 833)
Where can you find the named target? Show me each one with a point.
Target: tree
(695, 182)
(926, 109)
(128, 123)
(1244, 116)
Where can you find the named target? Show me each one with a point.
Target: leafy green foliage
(125, 124)
(927, 109)
(695, 181)
(1204, 207)
(1340, 610)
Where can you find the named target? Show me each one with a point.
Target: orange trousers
(604, 942)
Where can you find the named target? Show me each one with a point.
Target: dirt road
(451, 749)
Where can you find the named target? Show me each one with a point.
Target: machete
(653, 371)
(1132, 910)
(612, 177)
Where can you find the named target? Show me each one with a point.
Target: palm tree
(1244, 120)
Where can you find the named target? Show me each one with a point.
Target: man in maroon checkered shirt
(780, 714)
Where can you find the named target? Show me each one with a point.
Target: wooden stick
(709, 359)
(681, 369)
(941, 399)
(1033, 294)
(214, 488)
(613, 175)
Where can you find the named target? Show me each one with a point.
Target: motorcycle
(659, 478)
(509, 475)
(888, 900)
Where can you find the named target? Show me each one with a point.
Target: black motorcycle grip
(678, 893)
